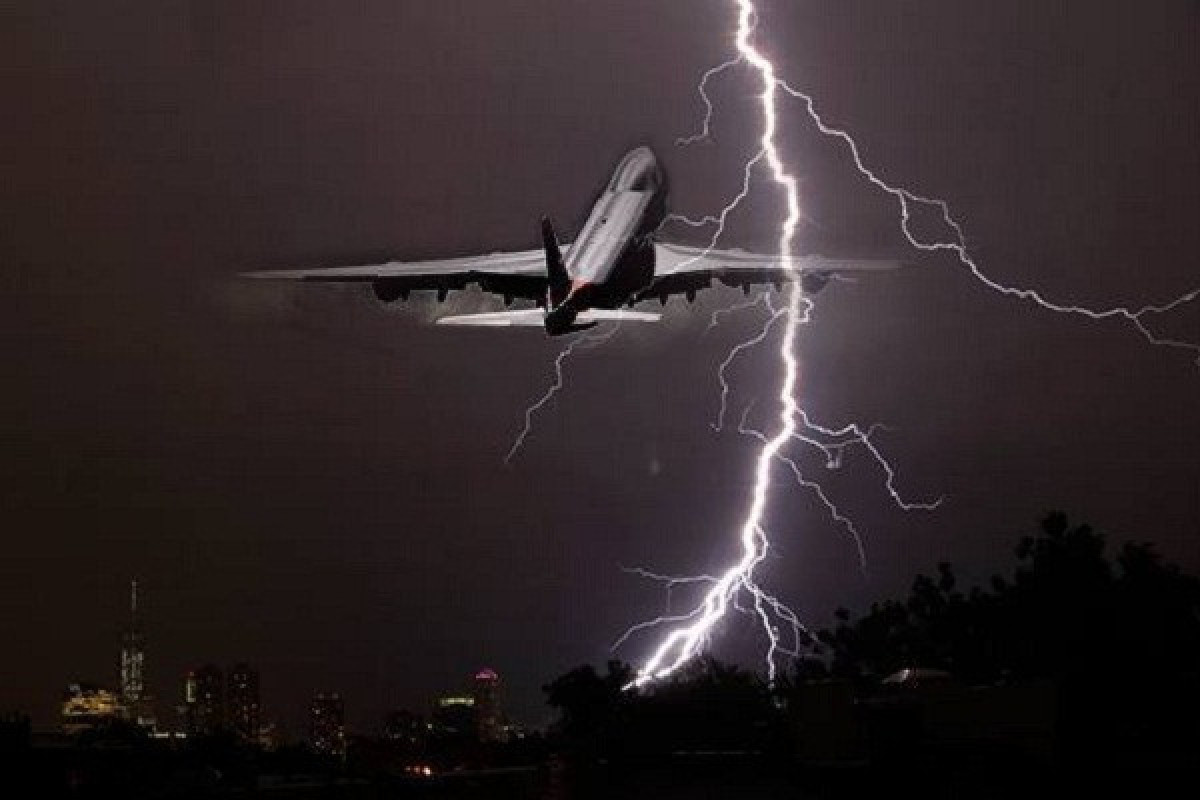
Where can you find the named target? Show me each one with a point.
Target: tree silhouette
(707, 706)
(1120, 639)
(1117, 638)
(591, 706)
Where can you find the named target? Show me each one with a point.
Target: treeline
(1116, 636)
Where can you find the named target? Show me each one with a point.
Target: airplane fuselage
(613, 255)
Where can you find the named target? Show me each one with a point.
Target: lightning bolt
(815, 488)
(717, 220)
(584, 342)
(704, 134)
(690, 631)
(716, 317)
(957, 245)
(907, 199)
(732, 355)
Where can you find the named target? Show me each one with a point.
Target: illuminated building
(489, 723)
(454, 716)
(474, 715)
(405, 726)
(327, 724)
(268, 736)
(86, 706)
(187, 708)
(242, 702)
(204, 700)
(134, 698)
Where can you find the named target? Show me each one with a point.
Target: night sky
(313, 482)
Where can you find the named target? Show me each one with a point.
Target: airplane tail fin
(560, 281)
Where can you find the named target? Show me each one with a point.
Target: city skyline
(209, 699)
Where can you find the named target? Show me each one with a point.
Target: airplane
(617, 259)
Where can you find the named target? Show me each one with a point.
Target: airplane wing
(681, 269)
(518, 274)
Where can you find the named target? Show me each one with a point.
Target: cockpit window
(641, 182)
(634, 174)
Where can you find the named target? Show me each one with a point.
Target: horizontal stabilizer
(528, 318)
(536, 318)
(616, 315)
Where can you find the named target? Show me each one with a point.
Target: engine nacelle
(388, 291)
(813, 282)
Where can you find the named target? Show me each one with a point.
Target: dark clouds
(313, 482)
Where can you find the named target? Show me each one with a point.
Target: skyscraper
(187, 708)
(405, 727)
(243, 703)
(454, 717)
(327, 724)
(134, 697)
(204, 700)
(489, 721)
